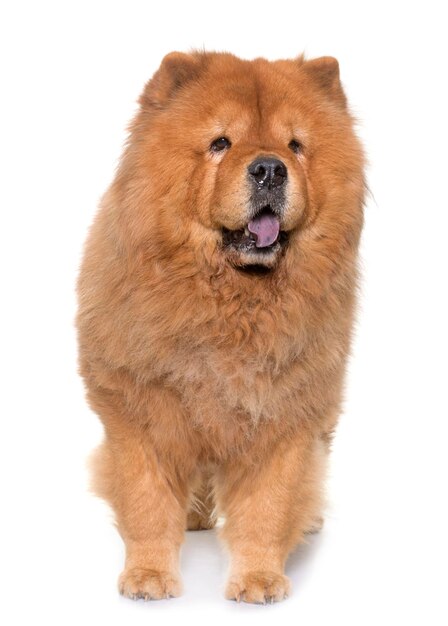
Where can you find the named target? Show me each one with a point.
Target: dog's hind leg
(202, 512)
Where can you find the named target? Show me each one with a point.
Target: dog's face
(241, 156)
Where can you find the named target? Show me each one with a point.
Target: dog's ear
(175, 71)
(324, 73)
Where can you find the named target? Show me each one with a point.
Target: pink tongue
(266, 227)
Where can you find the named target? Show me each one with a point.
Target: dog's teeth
(246, 231)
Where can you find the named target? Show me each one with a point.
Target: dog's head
(241, 157)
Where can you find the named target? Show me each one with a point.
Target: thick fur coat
(216, 368)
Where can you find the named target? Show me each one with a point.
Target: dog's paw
(148, 584)
(258, 587)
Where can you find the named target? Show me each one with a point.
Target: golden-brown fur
(219, 388)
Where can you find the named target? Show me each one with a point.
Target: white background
(71, 73)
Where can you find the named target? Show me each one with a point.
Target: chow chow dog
(216, 301)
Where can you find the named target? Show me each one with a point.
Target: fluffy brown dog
(216, 302)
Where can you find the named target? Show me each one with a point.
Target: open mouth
(261, 235)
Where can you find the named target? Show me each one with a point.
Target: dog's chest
(218, 381)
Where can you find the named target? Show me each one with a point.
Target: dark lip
(238, 240)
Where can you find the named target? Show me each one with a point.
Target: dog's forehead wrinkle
(258, 111)
(267, 110)
(244, 103)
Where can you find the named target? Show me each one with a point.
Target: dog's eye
(220, 144)
(295, 146)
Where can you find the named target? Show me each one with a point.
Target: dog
(216, 301)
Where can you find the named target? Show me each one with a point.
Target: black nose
(268, 172)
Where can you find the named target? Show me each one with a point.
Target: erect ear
(176, 69)
(324, 72)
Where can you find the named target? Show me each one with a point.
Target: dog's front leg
(269, 505)
(149, 496)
